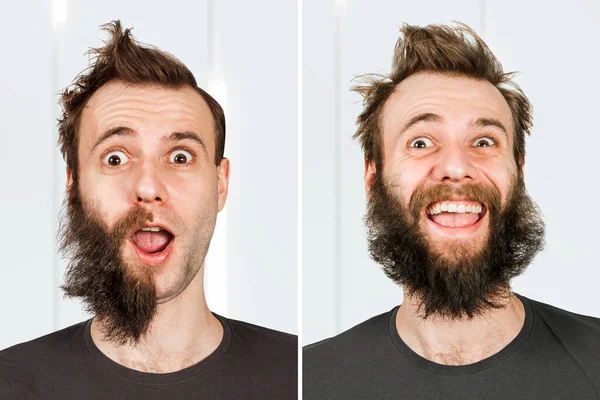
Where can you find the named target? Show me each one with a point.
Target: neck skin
(182, 333)
(459, 341)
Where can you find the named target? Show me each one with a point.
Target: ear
(370, 172)
(521, 163)
(69, 179)
(222, 182)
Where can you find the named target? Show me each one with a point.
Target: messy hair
(452, 50)
(124, 58)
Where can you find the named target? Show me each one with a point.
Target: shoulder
(353, 344)
(259, 335)
(263, 343)
(53, 344)
(578, 334)
(557, 318)
(21, 365)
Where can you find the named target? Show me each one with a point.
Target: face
(448, 214)
(148, 186)
(448, 131)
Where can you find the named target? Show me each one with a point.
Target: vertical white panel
(369, 31)
(26, 238)
(256, 54)
(555, 46)
(320, 170)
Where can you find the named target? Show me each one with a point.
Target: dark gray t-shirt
(556, 355)
(251, 362)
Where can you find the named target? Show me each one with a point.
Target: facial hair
(460, 280)
(122, 297)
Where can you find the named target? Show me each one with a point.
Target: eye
(115, 158)
(420, 143)
(180, 157)
(483, 142)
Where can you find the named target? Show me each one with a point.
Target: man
(449, 219)
(146, 178)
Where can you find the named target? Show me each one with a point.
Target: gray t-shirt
(251, 362)
(556, 355)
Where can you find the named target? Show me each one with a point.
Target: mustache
(425, 195)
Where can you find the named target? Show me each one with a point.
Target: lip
(458, 231)
(151, 225)
(154, 258)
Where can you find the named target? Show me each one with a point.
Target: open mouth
(456, 213)
(152, 244)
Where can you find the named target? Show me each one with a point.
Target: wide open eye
(420, 143)
(180, 156)
(115, 158)
(484, 142)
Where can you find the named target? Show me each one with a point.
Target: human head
(446, 129)
(146, 178)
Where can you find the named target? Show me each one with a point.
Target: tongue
(151, 242)
(455, 220)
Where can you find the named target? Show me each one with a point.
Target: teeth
(454, 208)
(151, 229)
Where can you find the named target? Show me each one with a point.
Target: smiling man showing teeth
(449, 219)
(146, 178)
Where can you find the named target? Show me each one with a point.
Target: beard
(122, 297)
(463, 279)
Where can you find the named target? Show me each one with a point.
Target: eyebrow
(430, 117)
(118, 131)
(484, 122)
(178, 136)
(426, 117)
(173, 137)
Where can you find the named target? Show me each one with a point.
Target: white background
(555, 46)
(243, 56)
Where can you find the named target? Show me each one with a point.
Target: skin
(182, 196)
(451, 149)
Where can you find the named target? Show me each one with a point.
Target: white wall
(553, 44)
(231, 49)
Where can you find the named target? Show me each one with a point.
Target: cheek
(109, 195)
(501, 174)
(193, 195)
(407, 176)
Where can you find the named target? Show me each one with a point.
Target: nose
(149, 185)
(454, 165)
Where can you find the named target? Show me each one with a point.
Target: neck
(182, 333)
(460, 341)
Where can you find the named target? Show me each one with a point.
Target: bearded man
(146, 178)
(449, 219)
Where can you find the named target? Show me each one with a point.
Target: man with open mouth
(449, 219)
(146, 177)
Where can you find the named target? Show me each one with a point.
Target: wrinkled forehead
(150, 110)
(458, 99)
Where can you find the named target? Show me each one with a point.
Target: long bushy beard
(460, 280)
(121, 296)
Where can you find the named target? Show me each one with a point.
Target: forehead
(456, 99)
(150, 110)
